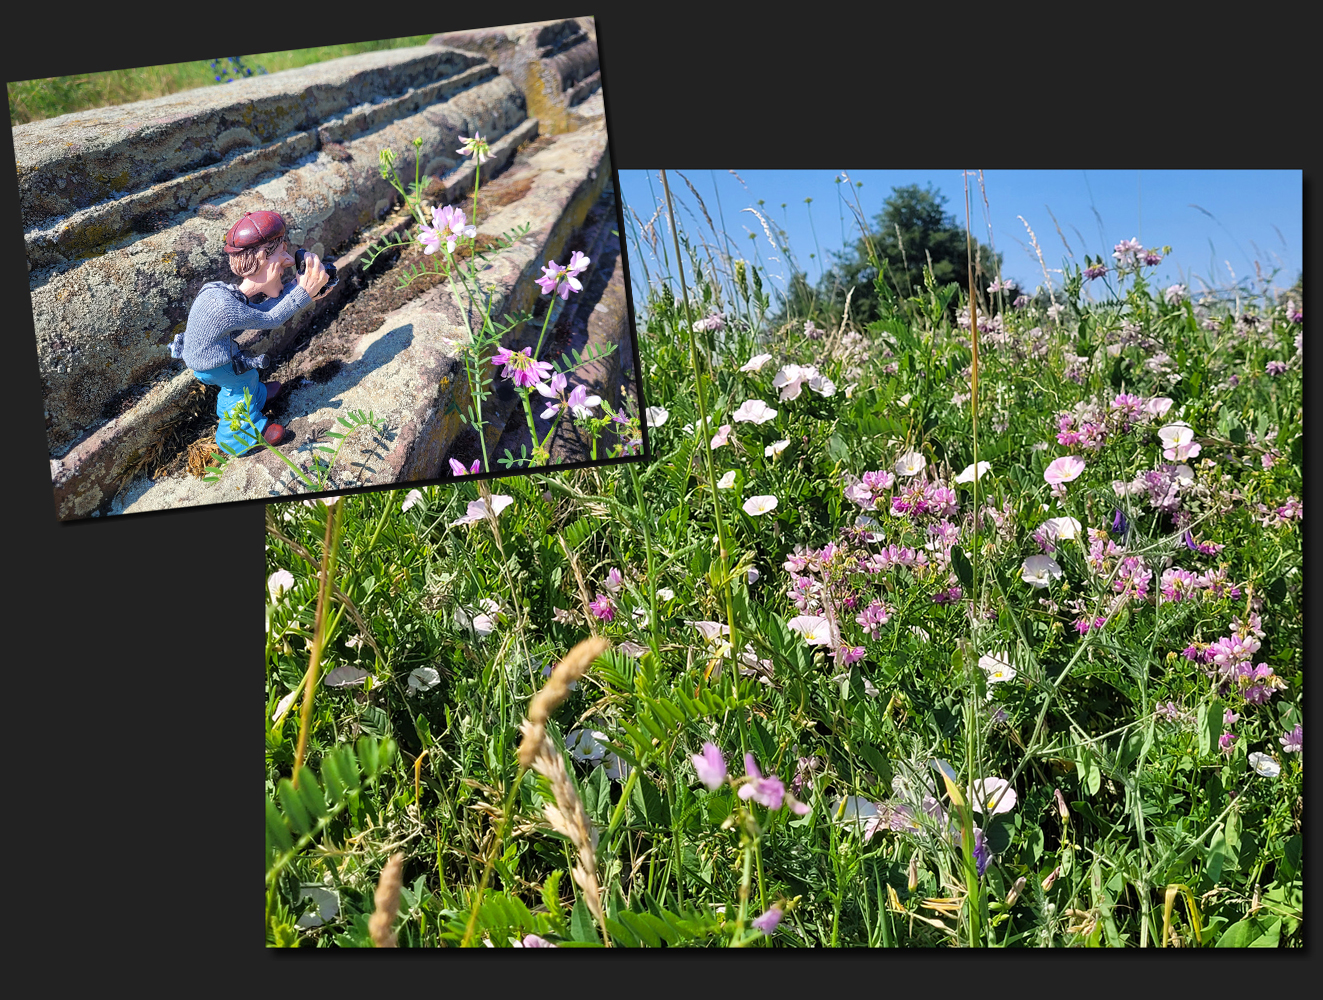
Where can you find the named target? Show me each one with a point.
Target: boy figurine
(258, 254)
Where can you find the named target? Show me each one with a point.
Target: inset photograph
(302, 272)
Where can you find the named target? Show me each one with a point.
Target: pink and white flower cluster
(561, 280)
(448, 225)
(1231, 659)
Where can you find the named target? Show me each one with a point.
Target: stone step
(553, 62)
(78, 160)
(112, 280)
(408, 371)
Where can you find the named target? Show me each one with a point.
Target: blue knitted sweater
(219, 312)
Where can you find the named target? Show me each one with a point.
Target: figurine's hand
(314, 275)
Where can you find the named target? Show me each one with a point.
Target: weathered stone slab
(88, 232)
(554, 62)
(73, 161)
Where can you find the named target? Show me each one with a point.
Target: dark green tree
(913, 230)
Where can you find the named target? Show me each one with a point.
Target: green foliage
(34, 100)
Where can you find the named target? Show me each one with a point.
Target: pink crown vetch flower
(711, 766)
(451, 224)
(563, 280)
(475, 145)
(520, 368)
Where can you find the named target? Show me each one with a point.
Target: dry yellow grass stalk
(567, 816)
(556, 690)
(387, 899)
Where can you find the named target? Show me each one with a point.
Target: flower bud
(914, 873)
(1014, 894)
(1062, 811)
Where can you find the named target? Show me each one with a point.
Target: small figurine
(258, 254)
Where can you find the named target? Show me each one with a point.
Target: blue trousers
(231, 394)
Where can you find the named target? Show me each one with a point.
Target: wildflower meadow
(969, 624)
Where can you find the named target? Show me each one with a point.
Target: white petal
(345, 676)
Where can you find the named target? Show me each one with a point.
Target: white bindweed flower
(815, 629)
(1039, 571)
(727, 481)
(968, 475)
(754, 411)
(345, 676)
(1178, 442)
(775, 448)
(711, 631)
(1264, 766)
(414, 496)
(910, 464)
(752, 575)
(822, 385)
(582, 744)
(656, 416)
(327, 906)
(791, 378)
(755, 363)
(615, 768)
(665, 594)
(478, 509)
(853, 811)
(1158, 406)
(282, 706)
(1065, 528)
(485, 624)
(1063, 470)
(423, 679)
(759, 505)
(992, 796)
(997, 666)
(279, 582)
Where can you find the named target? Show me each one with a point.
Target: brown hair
(249, 260)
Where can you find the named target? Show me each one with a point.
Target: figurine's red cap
(254, 229)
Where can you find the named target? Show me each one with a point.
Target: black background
(133, 641)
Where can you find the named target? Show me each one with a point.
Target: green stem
(526, 396)
(537, 351)
(327, 574)
(738, 940)
(475, 377)
(704, 427)
(390, 504)
(247, 415)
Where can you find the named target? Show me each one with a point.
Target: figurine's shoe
(273, 434)
(272, 390)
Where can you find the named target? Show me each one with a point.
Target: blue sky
(1210, 218)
